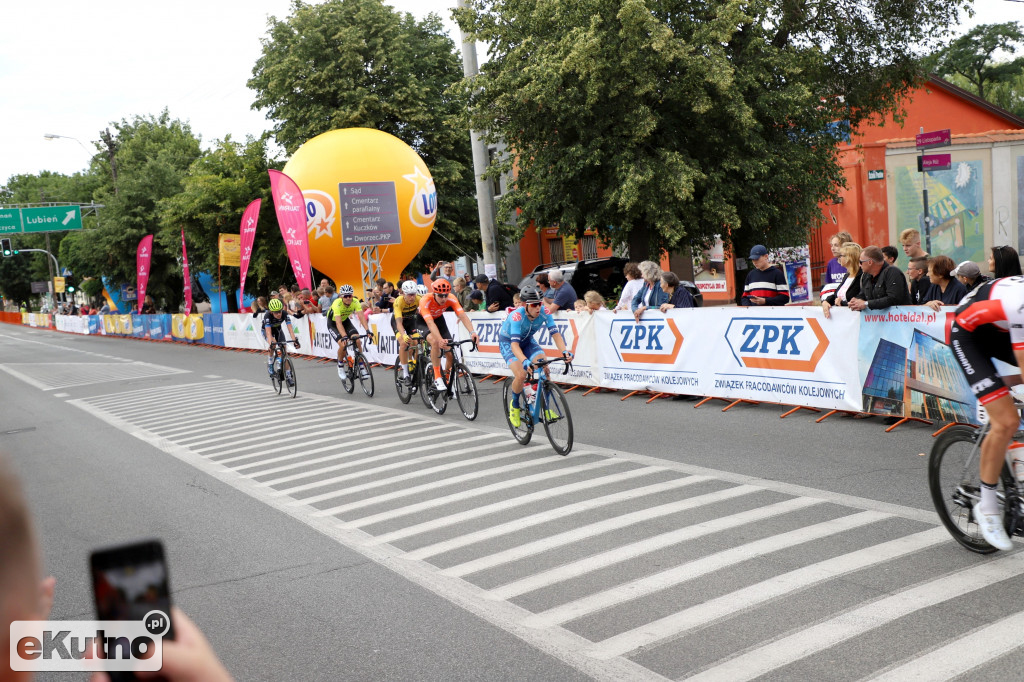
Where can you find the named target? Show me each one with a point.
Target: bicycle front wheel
(465, 391)
(955, 485)
(289, 377)
(436, 399)
(277, 379)
(554, 411)
(403, 386)
(365, 374)
(524, 432)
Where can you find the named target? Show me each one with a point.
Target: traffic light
(8, 250)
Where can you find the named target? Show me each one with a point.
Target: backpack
(512, 289)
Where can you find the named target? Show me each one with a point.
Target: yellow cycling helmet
(275, 305)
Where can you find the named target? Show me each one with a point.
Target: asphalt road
(342, 537)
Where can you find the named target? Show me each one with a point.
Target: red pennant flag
(143, 257)
(188, 280)
(291, 218)
(248, 232)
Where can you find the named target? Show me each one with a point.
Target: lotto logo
(791, 344)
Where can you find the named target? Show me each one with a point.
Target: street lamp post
(54, 136)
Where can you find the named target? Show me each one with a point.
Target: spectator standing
(148, 306)
(387, 297)
(911, 241)
(461, 291)
(594, 302)
(634, 280)
(834, 270)
(678, 295)
(945, 289)
(917, 271)
(259, 306)
(766, 284)
(849, 256)
(882, 285)
(969, 275)
(890, 254)
(545, 286)
(1003, 261)
(565, 295)
(444, 270)
(328, 298)
(650, 294)
(497, 296)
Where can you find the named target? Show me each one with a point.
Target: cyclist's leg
(350, 330)
(339, 339)
(435, 346)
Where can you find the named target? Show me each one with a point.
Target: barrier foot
(951, 425)
(830, 413)
(658, 395)
(795, 409)
(737, 402)
(569, 389)
(710, 397)
(909, 419)
(483, 379)
(631, 393)
(600, 389)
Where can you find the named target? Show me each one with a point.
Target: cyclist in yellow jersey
(338, 324)
(405, 320)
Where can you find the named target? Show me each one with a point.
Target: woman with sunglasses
(515, 341)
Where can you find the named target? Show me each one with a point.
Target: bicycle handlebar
(542, 363)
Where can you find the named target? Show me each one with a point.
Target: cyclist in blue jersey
(515, 341)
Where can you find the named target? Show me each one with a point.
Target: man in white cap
(969, 273)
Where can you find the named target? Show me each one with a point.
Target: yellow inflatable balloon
(348, 175)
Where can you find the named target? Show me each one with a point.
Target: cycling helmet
(442, 286)
(408, 287)
(530, 295)
(346, 290)
(275, 305)
(421, 289)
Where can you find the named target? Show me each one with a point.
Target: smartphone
(128, 582)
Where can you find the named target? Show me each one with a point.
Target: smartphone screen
(130, 581)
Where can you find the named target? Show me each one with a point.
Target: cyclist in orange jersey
(432, 309)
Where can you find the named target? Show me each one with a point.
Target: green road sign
(10, 220)
(51, 218)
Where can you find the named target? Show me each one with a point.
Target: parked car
(606, 276)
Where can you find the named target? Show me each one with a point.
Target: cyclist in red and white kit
(990, 324)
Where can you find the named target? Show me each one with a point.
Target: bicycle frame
(540, 371)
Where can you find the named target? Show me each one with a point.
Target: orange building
(883, 197)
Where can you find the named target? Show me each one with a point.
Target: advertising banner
(291, 218)
(143, 256)
(185, 275)
(247, 232)
(907, 368)
(242, 330)
(230, 249)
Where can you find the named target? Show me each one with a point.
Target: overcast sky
(70, 67)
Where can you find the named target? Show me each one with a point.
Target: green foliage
(676, 120)
(971, 57)
(359, 63)
(214, 195)
(152, 156)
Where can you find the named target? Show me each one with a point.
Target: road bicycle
(283, 373)
(956, 487)
(546, 405)
(356, 367)
(458, 383)
(407, 387)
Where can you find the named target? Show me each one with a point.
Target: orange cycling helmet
(442, 286)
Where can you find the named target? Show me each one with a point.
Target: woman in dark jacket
(1004, 262)
(678, 296)
(945, 289)
(849, 258)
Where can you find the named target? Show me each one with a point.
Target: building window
(588, 247)
(556, 250)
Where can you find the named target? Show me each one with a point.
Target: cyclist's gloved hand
(568, 355)
(526, 365)
(297, 344)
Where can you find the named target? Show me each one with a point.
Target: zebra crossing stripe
(798, 645)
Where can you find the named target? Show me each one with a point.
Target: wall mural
(955, 204)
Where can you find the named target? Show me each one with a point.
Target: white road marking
(773, 588)
(798, 645)
(647, 545)
(592, 529)
(642, 587)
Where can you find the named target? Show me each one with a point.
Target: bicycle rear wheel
(345, 373)
(524, 432)
(465, 391)
(365, 374)
(955, 486)
(554, 411)
(437, 400)
(403, 386)
(289, 377)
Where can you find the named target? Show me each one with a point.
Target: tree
(971, 56)
(662, 123)
(214, 195)
(359, 63)
(152, 155)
